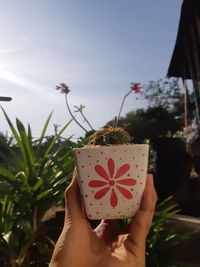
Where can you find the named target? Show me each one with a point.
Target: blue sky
(96, 47)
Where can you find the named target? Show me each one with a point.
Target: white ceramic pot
(112, 179)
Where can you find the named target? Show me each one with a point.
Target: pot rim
(110, 146)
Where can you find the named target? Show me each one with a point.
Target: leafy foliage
(146, 124)
(161, 237)
(162, 93)
(34, 183)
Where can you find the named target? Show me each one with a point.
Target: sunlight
(25, 83)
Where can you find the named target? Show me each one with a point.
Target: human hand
(107, 245)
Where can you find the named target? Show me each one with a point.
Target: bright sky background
(96, 47)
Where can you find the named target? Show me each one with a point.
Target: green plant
(33, 184)
(165, 93)
(161, 237)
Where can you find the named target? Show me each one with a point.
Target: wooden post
(197, 102)
(185, 103)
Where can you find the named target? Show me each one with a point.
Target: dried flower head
(63, 87)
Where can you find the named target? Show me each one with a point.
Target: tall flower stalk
(80, 109)
(64, 89)
(135, 87)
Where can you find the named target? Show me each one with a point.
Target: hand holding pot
(81, 246)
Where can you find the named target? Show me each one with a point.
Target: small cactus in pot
(109, 136)
(111, 172)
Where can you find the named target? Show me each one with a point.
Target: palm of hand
(104, 246)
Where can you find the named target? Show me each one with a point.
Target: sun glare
(23, 82)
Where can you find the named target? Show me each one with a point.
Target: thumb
(73, 202)
(141, 223)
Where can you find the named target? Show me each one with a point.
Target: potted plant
(111, 170)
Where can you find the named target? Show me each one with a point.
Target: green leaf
(56, 138)
(42, 167)
(29, 134)
(10, 152)
(37, 185)
(17, 137)
(7, 174)
(4, 204)
(162, 203)
(166, 210)
(43, 133)
(62, 147)
(27, 146)
(8, 207)
(43, 194)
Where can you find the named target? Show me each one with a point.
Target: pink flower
(136, 87)
(63, 87)
(58, 87)
(112, 182)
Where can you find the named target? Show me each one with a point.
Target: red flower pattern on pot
(111, 183)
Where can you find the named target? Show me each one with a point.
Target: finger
(141, 223)
(73, 202)
(106, 230)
